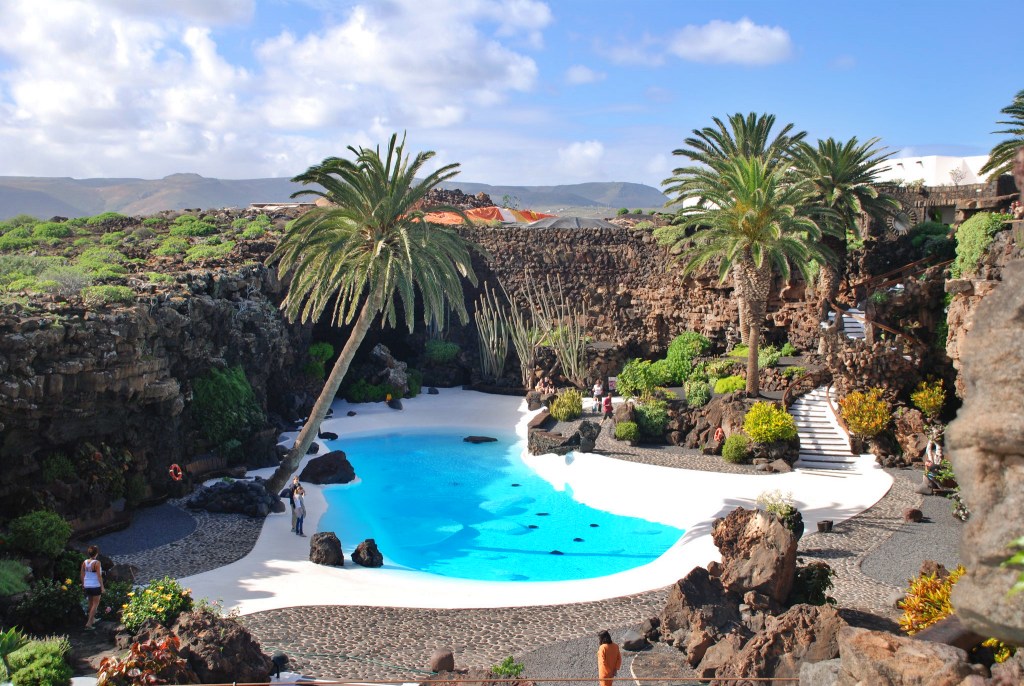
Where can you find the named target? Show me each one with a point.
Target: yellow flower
(67, 581)
(125, 606)
(149, 590)
(63, 588)
(131, 594)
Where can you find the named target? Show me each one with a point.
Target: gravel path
(151, 527)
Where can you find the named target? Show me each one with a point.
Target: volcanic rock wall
(121, 376)
(632, 287)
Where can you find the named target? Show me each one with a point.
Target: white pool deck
(277, 572)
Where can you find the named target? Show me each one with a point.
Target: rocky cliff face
(632, 287)
(119, 379)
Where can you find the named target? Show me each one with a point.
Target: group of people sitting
(545, 386)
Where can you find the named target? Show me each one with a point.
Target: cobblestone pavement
(357, 642)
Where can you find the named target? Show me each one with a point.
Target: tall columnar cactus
(526, 334)
(492, 329)
(565, 329)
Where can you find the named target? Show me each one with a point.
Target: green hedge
(567, 405)
(736, 449)
(224, 405)
(972, 240)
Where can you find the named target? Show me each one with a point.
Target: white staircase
(823, 445)
(853, 326)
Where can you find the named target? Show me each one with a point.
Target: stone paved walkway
(358, 642)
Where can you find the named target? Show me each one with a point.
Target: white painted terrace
(277, 572)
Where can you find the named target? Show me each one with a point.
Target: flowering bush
(767, 423)
(162, 600)
(866, 414)
(49, 606)
(927, 601)
(114, 599)
(150, 662)
(929, 397)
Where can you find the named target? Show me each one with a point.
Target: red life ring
(176, 472)
(719, 435)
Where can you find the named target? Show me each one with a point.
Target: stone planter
(825, 526)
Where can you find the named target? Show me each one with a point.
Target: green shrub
(362, 391)
(437, 351)
(116, 595)
(768, 356)
(41, 663)
(736, 449)
(162, 600)
(112, 239)
(57, 466)
(415, 382)
(13, 240)
(767, 423)
(253, 232)
(719, 368)
(508, 669)
(172, 245)
(740, 352)
(13, 577)
(51, 230)
(224, 405)
(866, 414)
(730, 384)
(105, 294)
(39, 533)
(567, 405)
(644, 225)
(652, 417)
(811, 584)
(637, 378)
(157, 277)
(191, 225)
(929, 397)
(154, 222)
(688, 345)
(209, 252)
(972, 240)
(788, 350)
(879, 297)
(19, 220)
(793, 372)
(627, 431)
(102, 218)
(102, 262)
(698, 393)
(621, 211)
(661, 375)
(318, 353)
(68, 564)
(50, 606)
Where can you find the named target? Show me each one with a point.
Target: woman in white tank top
(92, 582)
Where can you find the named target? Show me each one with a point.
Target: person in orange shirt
(609, 659)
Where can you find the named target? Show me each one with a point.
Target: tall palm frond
(1000, 158)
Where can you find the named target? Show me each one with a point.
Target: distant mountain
(46, 197)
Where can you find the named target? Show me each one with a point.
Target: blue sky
(517, 91)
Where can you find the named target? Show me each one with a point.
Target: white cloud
(205, 11)
(581, 159)
(647, 51)
(579, 74)
(742, 42)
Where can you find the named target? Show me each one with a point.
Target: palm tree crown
(366, 251)
(1000, 159)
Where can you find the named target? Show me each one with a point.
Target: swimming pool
(437, 504)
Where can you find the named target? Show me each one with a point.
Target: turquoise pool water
(436, 504)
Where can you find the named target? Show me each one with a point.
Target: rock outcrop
(697, 615)
(250, 498)
(325, 549)
(366, 554)
(331, 468)
(986, 446)
(882, 659)
(758, 554)
(220, 650)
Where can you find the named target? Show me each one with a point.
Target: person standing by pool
(299, 496)
(92, 582)
(609, 658)
(290, 492)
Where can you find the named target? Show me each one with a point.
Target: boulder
(781, 466)
(625, 412)
(697, 614)
(634, 641)
(651, 628)
(331, 468)
(541, 442)
(721, 654)
(327, 436)
(986, 446)
(910, 433)
(394, 373)
(432, 391)
(442, 660)
(588, 432)
(824, 673)
(758, 554)
(883, 659)
(804, 633)
(366, 554)
(479, 439)
(220, 650)
(250, 498)
(912, 514)
(314, 448)
(533, 401)
(325, 549)
(395, 403)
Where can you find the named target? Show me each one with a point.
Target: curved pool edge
(277, 573)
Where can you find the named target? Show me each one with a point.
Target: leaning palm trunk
(565, 328)
(492, 332)
(323, 403)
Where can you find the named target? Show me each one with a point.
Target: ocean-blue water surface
(437, 504)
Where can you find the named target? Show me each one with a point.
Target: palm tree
(750, 222)
(842, 177)
(713, 146)
(1000, 159)
(363, 253)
